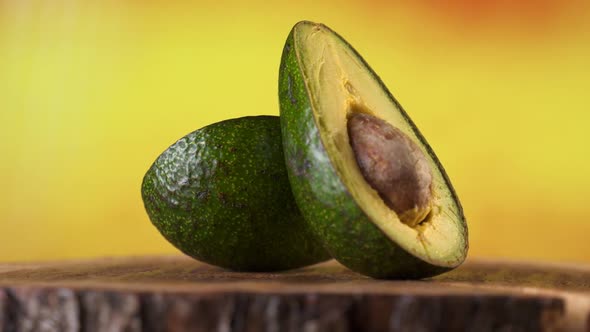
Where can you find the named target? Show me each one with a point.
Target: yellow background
(92, 91)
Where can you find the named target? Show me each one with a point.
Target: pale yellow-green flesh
(339, 83)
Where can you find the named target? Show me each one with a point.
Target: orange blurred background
(92, 91)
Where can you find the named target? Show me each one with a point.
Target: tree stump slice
(180, 294)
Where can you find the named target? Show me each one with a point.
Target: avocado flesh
(221, 195)
(323, 80)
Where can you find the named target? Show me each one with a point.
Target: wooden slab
(180, 294)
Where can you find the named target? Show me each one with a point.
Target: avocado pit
(393, 165)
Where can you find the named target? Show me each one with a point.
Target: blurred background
(91, 92)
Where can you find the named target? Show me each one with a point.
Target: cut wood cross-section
(180, 294)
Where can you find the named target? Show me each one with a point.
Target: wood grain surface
(179, 294)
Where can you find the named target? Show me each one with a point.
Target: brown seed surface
(393, 165)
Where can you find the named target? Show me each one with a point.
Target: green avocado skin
(221, 195)
(328, 208)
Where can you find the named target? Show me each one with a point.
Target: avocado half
(323, 84)
(221, 195)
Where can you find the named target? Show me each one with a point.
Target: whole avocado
(221, 195)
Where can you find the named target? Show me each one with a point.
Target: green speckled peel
(349, 233)
(221, 195)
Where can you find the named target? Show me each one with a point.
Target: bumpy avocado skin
(221, 195)
(328, 208)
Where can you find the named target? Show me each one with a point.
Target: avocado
(221, 195)
(367, 182)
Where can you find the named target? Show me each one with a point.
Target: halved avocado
(221, 195)
(340, 127)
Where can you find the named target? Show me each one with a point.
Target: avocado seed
(393, 165)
